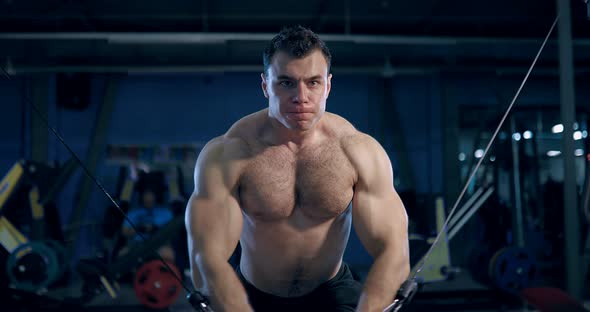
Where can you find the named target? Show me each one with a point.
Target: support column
(450, 141)
(570, 201)
(517, 216)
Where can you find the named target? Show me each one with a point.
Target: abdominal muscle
(293, 256)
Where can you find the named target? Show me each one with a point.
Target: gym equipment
(463, 215)
(418, 247)
(142, 251)
(32, 262)
(60, 252)
(33, 266)
(199, 302)
(513, 269)
(415, 271)
(404, 295)
(155, 286)
(48, 180)
(439, 267)
(509, 269)
(102, 274)
(10, 237)
(133, 180)
(98, 276)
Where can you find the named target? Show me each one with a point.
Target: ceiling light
(516, 136)
(558, 128)
(527, 135)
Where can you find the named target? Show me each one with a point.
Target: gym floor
(461, 293)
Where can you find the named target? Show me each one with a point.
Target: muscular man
(280, 182)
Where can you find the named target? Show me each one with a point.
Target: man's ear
(264, 85)
(329, 85)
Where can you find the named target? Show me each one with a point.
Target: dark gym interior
(483, 109)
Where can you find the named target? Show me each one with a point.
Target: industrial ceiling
(374, 36)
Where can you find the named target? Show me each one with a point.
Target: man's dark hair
(297, 42)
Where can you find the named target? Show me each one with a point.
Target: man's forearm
(388, 272)
(223, 287)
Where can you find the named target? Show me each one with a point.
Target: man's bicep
(379, 216)
(213, 232)
(214, 225)
(214, 218)
(380, 221)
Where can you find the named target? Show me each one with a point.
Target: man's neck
(278, 134)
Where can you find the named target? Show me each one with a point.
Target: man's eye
(285, 83)
(314, 82)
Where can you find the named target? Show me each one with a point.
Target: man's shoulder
(359, 147)
(236, 142)
(247, 126)
(224, 148)
(244, 132)
(349, 137)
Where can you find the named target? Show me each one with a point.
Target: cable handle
(404, 295)
(199, 302)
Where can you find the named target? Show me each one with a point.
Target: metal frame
(574, 279)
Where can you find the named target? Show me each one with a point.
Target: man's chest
(318, 183)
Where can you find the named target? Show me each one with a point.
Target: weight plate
(155, 286)
(512, 269)
(32, 266)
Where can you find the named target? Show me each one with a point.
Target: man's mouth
(300, 115)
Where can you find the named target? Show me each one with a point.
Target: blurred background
(136, 88)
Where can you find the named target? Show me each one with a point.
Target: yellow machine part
(439, 258)
(10, 237)
(9, 182)
(36, 207)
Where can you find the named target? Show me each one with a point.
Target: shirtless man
(280, 182)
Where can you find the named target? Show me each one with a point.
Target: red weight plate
(155, 286)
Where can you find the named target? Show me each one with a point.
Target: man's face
(297, 89)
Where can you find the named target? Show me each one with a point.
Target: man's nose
(301, 95)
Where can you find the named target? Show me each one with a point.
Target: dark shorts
(340, 294)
